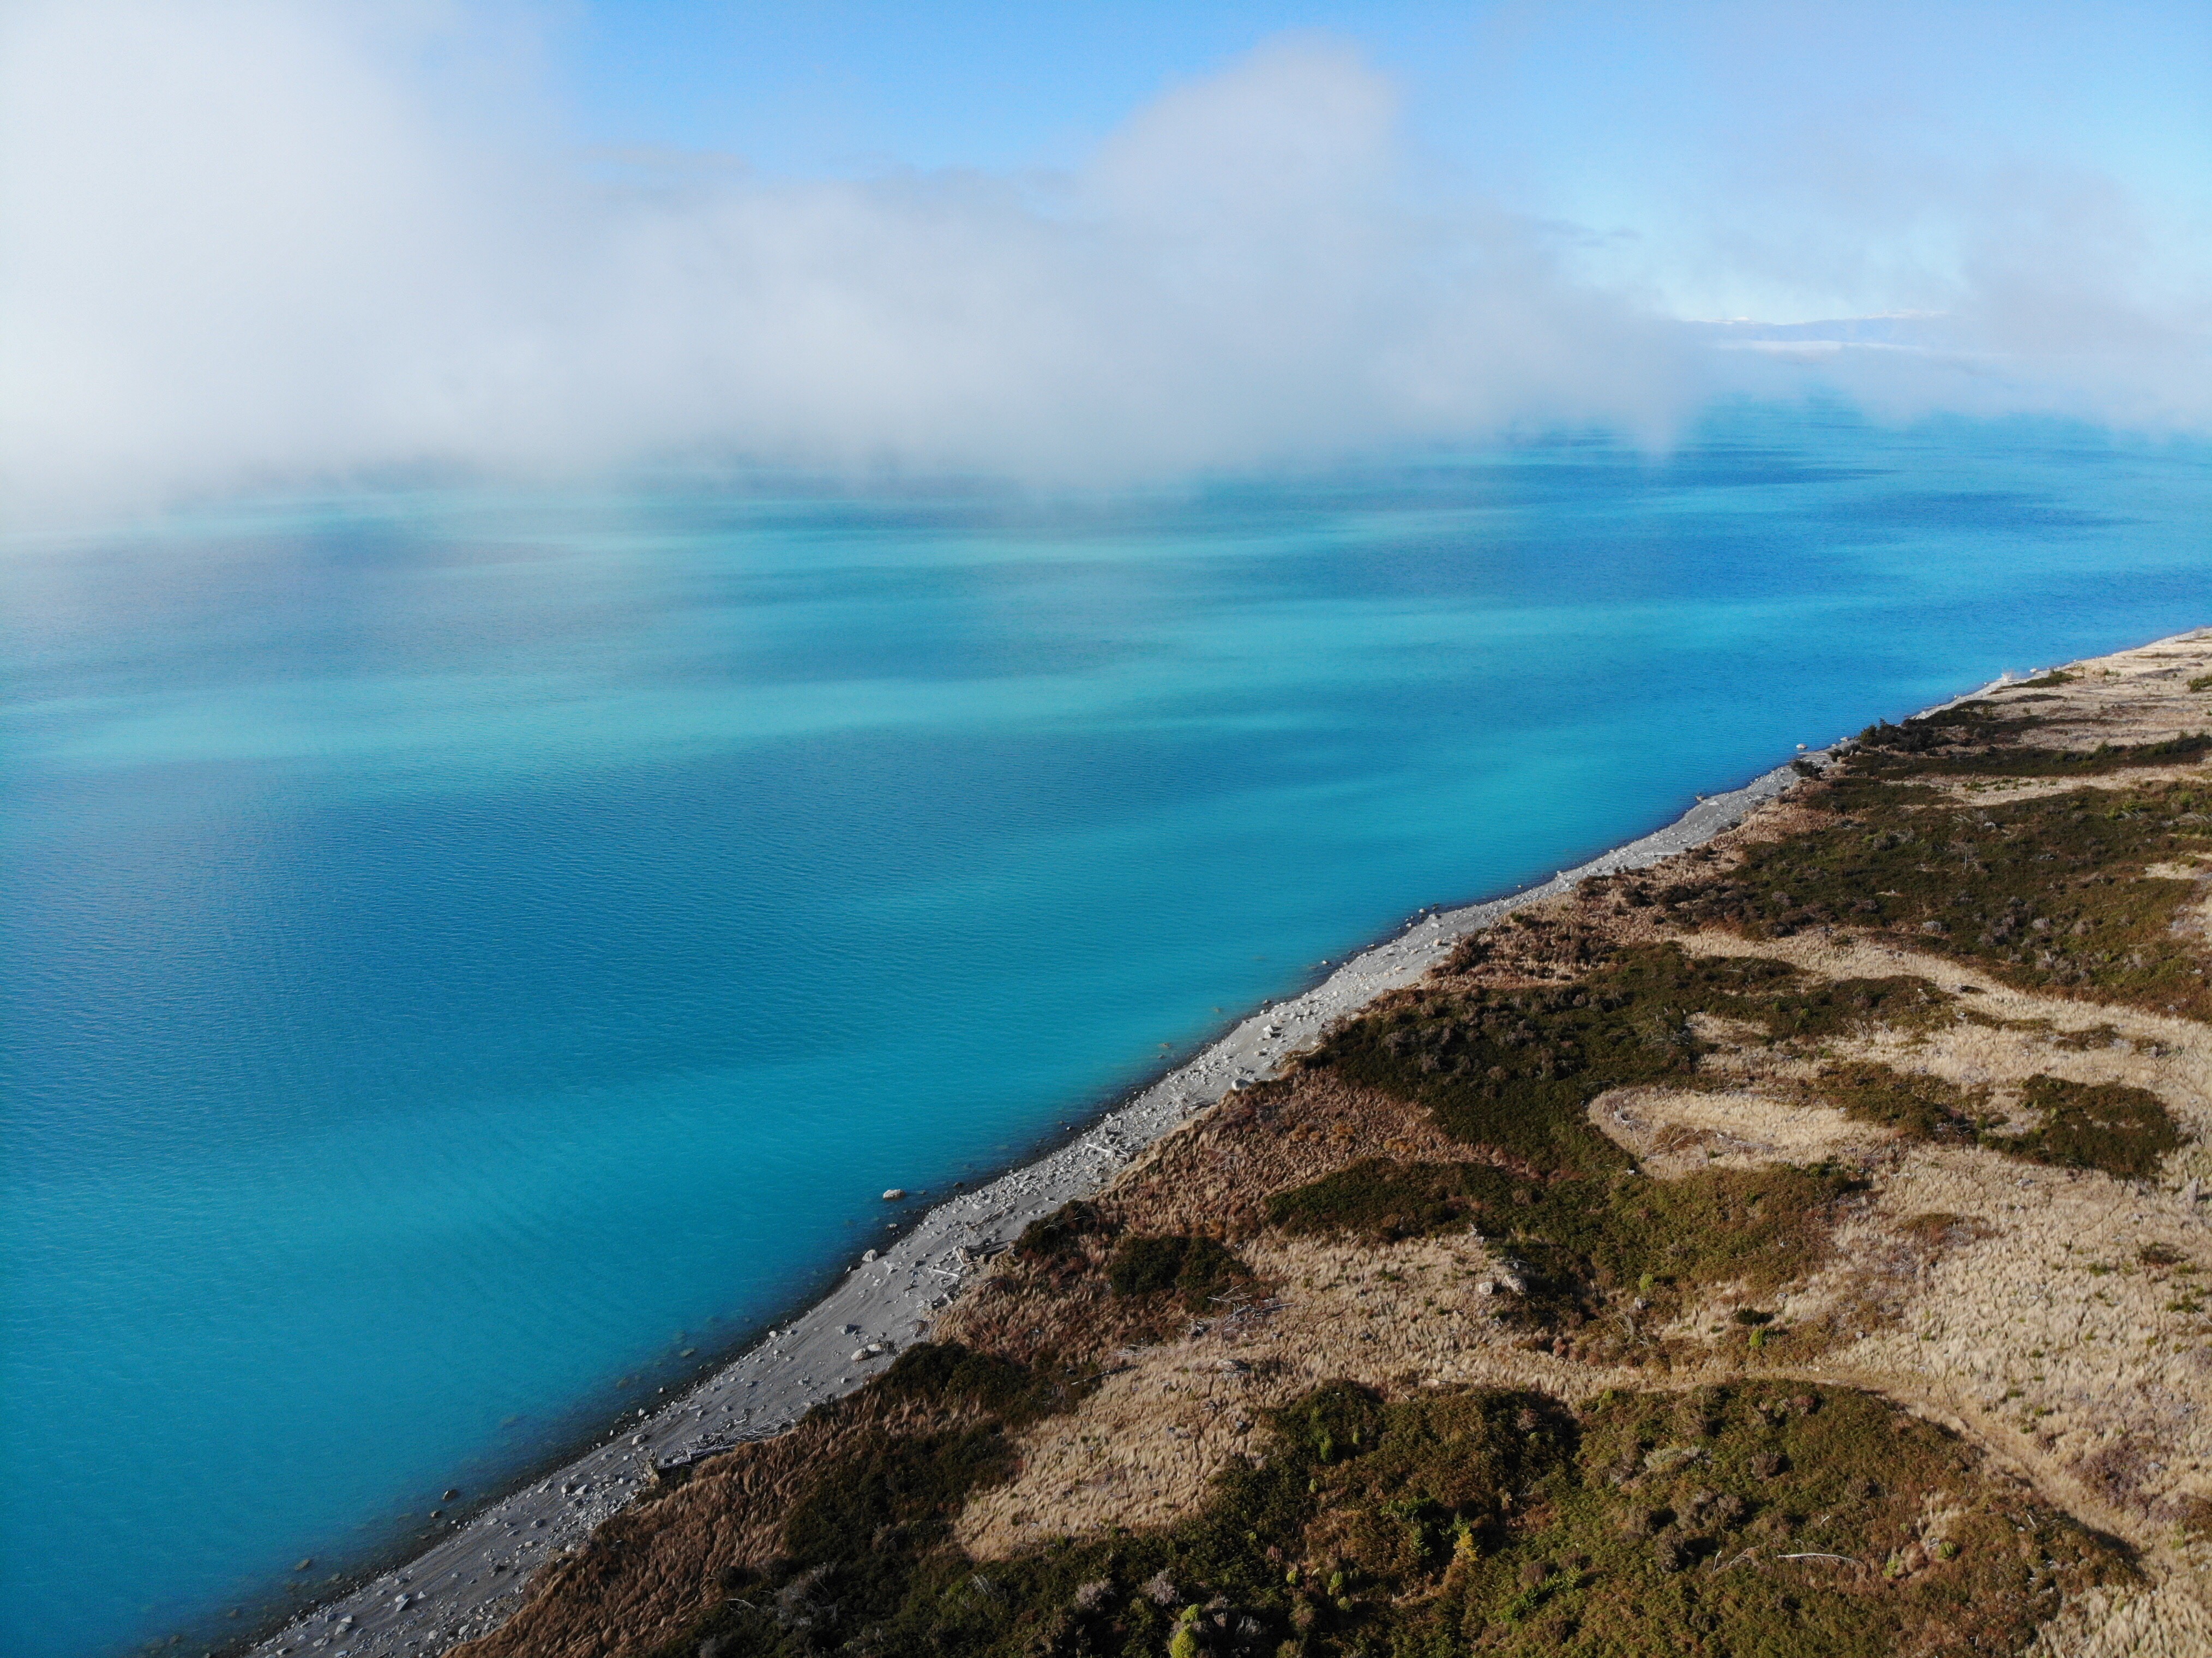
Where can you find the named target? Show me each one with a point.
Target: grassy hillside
(1794, 1248)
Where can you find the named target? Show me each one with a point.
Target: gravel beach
(467, 1583)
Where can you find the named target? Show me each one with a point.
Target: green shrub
(1195, 1268)
(1060, 1235)
(2099, 762)
(1515, 1070)
(2123, 1131)
(2048, 893)
(1919, 1108)
(946, 1373)
(1578, 1242)
(1746, 1520)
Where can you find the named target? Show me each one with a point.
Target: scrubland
(1796, 1248)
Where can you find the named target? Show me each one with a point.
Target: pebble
(894, 1194)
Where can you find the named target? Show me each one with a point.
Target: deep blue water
(462, 948)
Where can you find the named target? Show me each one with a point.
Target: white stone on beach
(893, 1194)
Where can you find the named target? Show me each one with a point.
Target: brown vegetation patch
(1216, 1174)
(658, 1566)
(1595, 1266)
(2034, 1320)
(1050, 1300)
(1143, 1446)
(2166, 1618)
(2009, 1035)
(1799, 1522)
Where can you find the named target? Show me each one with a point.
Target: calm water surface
(463, 950)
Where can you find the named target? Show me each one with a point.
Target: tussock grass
(1755, 1519)
(1579, 1245)
(2048, 893)
(1513, 1070)
(1763, 1118)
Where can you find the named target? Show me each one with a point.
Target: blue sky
(259, 240)
(1629, 121)
(841, 86)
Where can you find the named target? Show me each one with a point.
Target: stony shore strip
(467, 1583)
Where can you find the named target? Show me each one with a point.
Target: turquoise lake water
(463, 949)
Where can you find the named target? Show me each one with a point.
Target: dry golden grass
(2168, 1619)
(1144, 1448)
(1676, 1131)
(1212, 1178)
(654, 1568)
(2004, 791)
(2042, 1327)
(2005, 1035)
(1215, 1174)
(2131, 696)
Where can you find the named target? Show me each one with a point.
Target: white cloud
(255, 241)
(243, 245)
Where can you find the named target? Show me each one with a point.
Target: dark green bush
(1773, 1520)
(1578, 1242)
(1919, 1108)
(1515, 1070)
(2048, 893)
(2123, 1131)
(1195, 1268)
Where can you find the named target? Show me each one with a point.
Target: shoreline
(466, 1584)
(1889, 1075)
